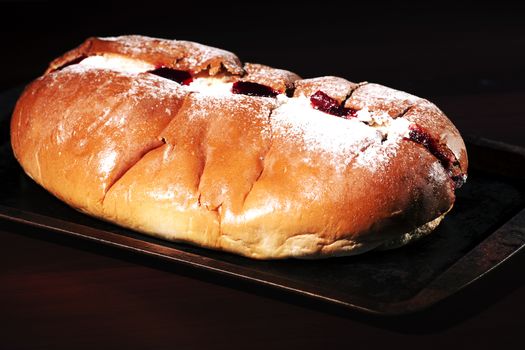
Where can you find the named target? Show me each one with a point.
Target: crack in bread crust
(359, 85)
(263, 161)
(405, 111)
(123, 173)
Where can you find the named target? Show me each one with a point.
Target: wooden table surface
(62, 293)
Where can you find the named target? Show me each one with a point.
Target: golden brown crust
(415, 109)
(176, 54)
(430, 117)
(258, 176)
(78, 131)
(380, 98)
(278, 79)
(335, 87)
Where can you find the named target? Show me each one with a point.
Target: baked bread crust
(264, 177)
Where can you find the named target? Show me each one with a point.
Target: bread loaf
(184, 142)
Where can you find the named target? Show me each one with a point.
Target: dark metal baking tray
(485, 228)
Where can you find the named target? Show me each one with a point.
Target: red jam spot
(253, 89)
(440, 151)
(327, 104)
(419, 135)
(180, 76)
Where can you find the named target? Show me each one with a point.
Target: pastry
(184, 142)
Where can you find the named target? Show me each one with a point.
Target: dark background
(431, 49)
(468, 58)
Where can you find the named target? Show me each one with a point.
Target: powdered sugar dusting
(203, 53)
(343, 141)
(187, 55)
(370, 140)
(378, 154)
(199, 57)
(437, 173)
(334, 87)
(212, 86)
(392, 131)
(383, 94)
(202, 106)
(117, 63)
(141, 85)
(277, 79)
(382, 121)
(137, 45)
(340, 139)
(155, 87)
(130, 39)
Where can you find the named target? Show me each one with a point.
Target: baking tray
(485, 228)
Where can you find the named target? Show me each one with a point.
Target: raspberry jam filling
(445, 156)
(253, 89)
(180, 76)
(441, 152)
(327, 104)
